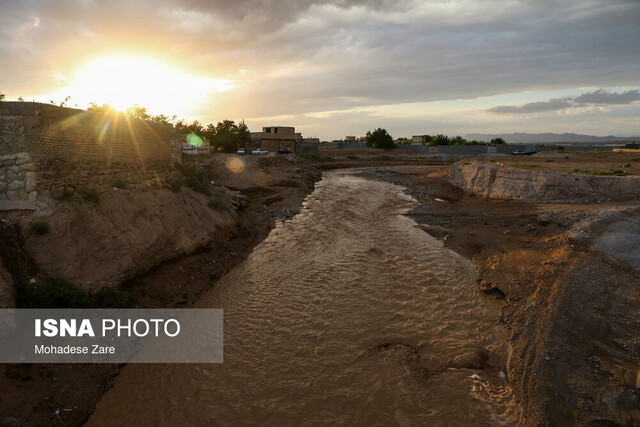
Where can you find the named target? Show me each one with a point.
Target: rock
(23, 158)
(3, 186)
(30, 181)
(11, 176)
(16, 185)
(29, 167)
(6, 288)
(33, 196)
(13, 195)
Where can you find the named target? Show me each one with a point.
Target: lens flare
(194, 140)
(235, 164)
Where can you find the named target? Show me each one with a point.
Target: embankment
(503, 182)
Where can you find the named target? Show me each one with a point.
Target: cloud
(599, 97)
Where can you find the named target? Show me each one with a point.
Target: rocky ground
(572, 310)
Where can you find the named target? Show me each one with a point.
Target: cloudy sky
(337, 67)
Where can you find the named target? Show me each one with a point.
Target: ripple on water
(346, 314)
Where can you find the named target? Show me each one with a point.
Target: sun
(124, 80)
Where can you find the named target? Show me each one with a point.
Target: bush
(174, 185)
(120, 184)
(80, 194)
(50, 292)
(39, 227)
(115, 298)
(548, 160)
(215, 204)
(195, 179)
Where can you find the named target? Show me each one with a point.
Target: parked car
(241, 151)
(284, 151)
(259, 151)
(523, 153)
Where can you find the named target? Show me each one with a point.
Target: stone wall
(70, 147)
(17, 177)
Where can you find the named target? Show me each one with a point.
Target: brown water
(348, 314)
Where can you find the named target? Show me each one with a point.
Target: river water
(348, 314)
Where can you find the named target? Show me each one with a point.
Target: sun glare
(123, 80)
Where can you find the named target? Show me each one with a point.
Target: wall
(71, 147)
(17, 177)
(501, 182)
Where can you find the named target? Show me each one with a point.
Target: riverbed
(347, 314)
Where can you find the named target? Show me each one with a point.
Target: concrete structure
(350, 138)
(188, 148)
(420, 139)
(309, 141)
(274, 138)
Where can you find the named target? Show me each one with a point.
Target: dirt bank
(499, 181)
(160, 246)
(571, 309)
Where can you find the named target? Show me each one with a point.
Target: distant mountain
(538, 138)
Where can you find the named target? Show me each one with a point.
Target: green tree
(228, 135)
(104, 108)
(2, 95)
(379, 138)
(497, 141)
(458, 140)
(440, 139)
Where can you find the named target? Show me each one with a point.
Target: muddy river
(348, 314)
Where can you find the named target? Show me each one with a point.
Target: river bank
(570, 306)
(253, 198)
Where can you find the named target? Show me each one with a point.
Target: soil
(270, 189)
(572, 312)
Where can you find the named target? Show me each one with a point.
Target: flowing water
(348, 314)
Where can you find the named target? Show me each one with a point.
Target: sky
(337, 67)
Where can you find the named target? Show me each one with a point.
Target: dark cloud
(598, 97)
(604, 97)
(296, 57)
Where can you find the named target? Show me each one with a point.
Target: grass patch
(174, 185)
(50, 292)
(548, 160)
(120, 184)
(467, 163)
(215, 204)
(218, 227)
(528, 165)
(39, 227)
(195, 179)
(634, 159)
(115, 298)
(80, 194)
(608, 172)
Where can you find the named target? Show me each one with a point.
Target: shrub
(548, 160)
(174, 185)
(39, 227)
(215, 204)
(195, 179)
(51, 292)
(115, 298)
(467, 163)
(120, 184)
(218, 227)
(80, 194)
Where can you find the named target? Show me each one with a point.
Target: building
(350, 138)
(274, 138)
(309, 141)
(420, 139)
(189, 147)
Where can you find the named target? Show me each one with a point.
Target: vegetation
(80, 194)
(215, 204)
(50, 292)
(195, 178)
(39, 227)
(380, 138)
(608, 172)
(120, 184)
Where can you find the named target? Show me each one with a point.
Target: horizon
(337, 68)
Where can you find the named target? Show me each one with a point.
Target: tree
(138, 112)
(2, 95)
(440, 139)
(497, 141)
(227, 135)
(458, 140)
(379, 138)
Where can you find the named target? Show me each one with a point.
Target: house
(420, 139)
(274, 138)
(191, 143)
